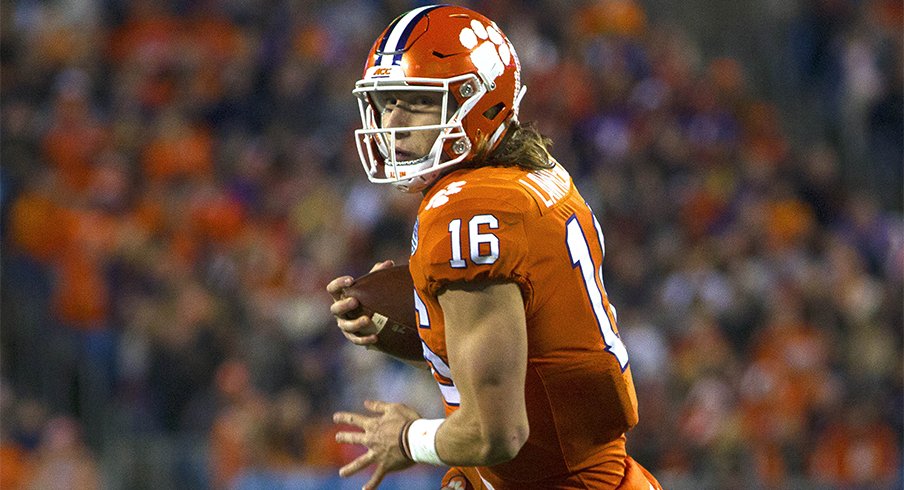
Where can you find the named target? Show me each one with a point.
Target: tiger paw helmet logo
(490, 52)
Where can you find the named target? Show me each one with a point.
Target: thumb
(386, 264)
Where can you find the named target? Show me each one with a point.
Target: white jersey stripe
(485, 482)
(441, 367)
(450, 392)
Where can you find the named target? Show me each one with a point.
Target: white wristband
(422, 441)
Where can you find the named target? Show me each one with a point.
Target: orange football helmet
(447, 49)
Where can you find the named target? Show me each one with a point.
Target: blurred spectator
(16, 449)
(63, 460)
(237, 436)
(856, 450)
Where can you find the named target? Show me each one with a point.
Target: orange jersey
(533, 228)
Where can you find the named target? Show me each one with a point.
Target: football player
(513, 316)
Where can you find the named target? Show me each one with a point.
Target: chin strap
(417, 161)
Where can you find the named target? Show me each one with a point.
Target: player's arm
(486, 342)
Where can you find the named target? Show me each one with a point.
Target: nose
(397, 118)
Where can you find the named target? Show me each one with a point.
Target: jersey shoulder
(504, 189)
(471, 227)
(478, 187)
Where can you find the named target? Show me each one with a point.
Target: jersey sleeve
(477, 236)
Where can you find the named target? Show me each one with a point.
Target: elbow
(503, 445)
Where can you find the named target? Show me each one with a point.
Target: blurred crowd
(179, 182)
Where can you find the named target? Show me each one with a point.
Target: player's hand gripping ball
(387, 296)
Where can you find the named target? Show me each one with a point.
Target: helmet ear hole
(494, 111)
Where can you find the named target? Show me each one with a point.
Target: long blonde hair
(522, 146)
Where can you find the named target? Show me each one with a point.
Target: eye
(384, 101)
(425, 100)
(388, 105)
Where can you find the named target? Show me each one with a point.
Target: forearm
(486, 430)
(490, 428)
(491, 425)
(487, 347)
(464, 442)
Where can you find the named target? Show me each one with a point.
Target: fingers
(375, 479)
(363, 341)
(341, 307)
(358, 464)
(359, 438)
(350, 418)
(386, 264)
(398, 408)
(378, 436)
(360, 331)
(376, 406)
(336, 285)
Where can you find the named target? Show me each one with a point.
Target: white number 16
(475, 239)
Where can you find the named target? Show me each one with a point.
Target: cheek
(426, 138)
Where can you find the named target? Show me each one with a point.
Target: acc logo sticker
(384, 72)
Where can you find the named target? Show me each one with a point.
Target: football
(387, 296)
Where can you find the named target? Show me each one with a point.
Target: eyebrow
(438, 98)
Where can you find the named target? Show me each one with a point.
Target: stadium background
(179, 183)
